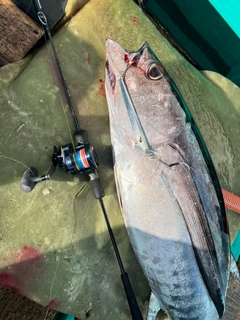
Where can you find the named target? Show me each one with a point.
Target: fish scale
(168, 199)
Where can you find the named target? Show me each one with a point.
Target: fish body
(167, 188)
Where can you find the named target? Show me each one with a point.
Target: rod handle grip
(96, 185)
(132, 302)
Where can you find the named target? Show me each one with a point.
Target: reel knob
(29, 180)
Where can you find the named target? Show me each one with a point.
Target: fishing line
(9, 158)
(33, 199)
(143, 178)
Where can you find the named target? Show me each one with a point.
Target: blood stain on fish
(126, 58)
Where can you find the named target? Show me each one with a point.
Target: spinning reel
(79, 159)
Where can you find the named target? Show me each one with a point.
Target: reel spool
(79, 159)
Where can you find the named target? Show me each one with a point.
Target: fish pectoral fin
(153, 308)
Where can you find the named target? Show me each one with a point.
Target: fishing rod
(81, 158)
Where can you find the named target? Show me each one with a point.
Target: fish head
(143, 79)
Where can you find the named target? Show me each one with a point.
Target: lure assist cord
(81, 158)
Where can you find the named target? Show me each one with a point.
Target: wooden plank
(16, 307)
(233, 300)
(18, 32)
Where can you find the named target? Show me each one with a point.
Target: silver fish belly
(167, 188)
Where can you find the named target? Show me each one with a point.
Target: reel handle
(30, 178)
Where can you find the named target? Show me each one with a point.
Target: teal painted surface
(62, 316)
(230, 11)
(235, 248)
(201, 31)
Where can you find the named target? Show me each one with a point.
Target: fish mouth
(111, 76)
(118, 60)
(115, 58)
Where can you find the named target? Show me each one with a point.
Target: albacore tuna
(167, 188)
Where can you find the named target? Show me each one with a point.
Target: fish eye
(155, 72)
